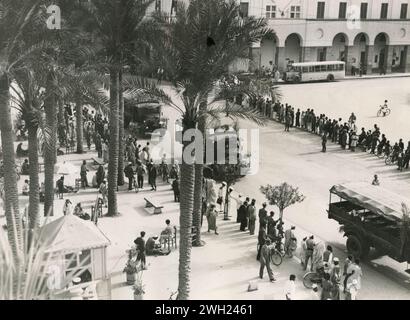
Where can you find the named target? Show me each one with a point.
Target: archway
(339, 49)
(358, 55)
(293, 48)
(269, 52)
(381, 43)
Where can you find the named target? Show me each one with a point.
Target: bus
(314, 71)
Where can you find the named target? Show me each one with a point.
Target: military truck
(371, 217)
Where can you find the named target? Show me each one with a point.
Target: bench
(170, 241)
(150, 204)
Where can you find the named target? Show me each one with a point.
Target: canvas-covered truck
(371, 217)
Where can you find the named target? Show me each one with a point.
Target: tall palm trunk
(79, 126)
(60, 115)
(121, 132)
(50, 150)
(197, 212)
(11, 202)
(185, 222)
(34, 195)
(113, 144)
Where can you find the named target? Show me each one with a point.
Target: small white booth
(77, 249)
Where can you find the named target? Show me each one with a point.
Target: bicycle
(391, 159)
(313, 277)
(383, 111)
(275, 257)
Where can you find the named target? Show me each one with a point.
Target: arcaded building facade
(372, 34)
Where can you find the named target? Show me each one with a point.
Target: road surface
(296, 158)
(363, 97)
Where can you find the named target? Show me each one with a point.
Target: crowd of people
(344, 133)
(337, 281)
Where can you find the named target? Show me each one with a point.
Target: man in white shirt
(290, 288)
(354, 273)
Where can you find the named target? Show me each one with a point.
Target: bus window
(311, 69)
(305, 69)
(341, 67)
(330, 67)
(323, 68)
(317, 68)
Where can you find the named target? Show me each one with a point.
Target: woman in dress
(105, 151)
(211, 215)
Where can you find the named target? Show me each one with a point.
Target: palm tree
(28, 99)
(197, 47)
(16, 19)
(120, 27)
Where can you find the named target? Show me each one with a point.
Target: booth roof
(70, 233)
(374, 198)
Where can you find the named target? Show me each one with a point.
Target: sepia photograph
(235, 153)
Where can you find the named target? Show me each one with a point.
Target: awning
(373, 198)
(70, 233)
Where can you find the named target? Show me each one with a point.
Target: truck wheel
(357, 247)
(330, 77)
(296, 79)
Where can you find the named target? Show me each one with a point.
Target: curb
(405, 75)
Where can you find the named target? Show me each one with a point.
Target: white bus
(314, 71)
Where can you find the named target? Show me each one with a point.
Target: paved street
(363, 97)
(295, 157)
(224, 267)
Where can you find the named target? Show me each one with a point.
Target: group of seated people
(78, 210)
(153, 245)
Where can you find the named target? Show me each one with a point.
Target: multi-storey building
(374, 34)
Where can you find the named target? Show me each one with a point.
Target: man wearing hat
(310, 246)
(336, 279)
(153, 248)
(129, 173)
(265, 260)
(290, 241)
(263, 216)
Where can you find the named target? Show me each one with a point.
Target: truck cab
(371, 217)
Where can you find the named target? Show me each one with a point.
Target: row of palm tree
(195, 49)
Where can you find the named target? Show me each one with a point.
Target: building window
(244, 9)
(342, 10)
(403, 11)
(363, 10)
(270, 12)
(384, 10)
(295, 12)
(320, 10)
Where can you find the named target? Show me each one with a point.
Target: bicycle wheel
(379, 113)
(309, 279)
(282, 250)
(387, 112)
(388, 160)
(276, 258)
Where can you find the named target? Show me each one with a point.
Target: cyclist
(384, 108)
(387, 148)
(396, 150)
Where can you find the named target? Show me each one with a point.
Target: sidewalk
(378, 76)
